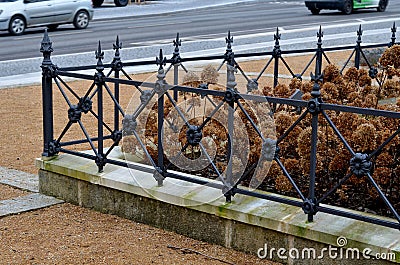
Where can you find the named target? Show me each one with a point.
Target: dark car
(98, 3)
(346, 6)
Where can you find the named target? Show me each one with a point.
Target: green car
(346, 6)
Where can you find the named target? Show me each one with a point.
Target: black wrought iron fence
(315, 118)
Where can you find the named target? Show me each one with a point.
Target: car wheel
(17, 25)
(81, 19)
(382, 5)
(52, 26)
(120, 2)
(315, 11)
(97, 3)
(347, 7)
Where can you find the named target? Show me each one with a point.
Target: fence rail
(313, 111)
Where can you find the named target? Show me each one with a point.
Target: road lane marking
(159, 24)
(51, 35)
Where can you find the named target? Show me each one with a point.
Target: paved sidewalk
(24, 181)
(19, 179)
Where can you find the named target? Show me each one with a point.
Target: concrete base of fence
(268, 229)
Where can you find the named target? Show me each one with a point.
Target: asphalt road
(203, 31)
(241, 19)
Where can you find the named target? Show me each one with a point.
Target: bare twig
(189, 250)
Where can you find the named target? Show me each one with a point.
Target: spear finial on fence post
(394, 30)
(99, 56)
(359, 33)
(357, 58)
(229, 56)
(318, 62)
(117, 46)
(176, 61)
(160, 83)
(229, 41)
(277, 37)
(230, 64)
(177, 43)
(277, 46)
(116, 64)
(46, 48)
(161, 60)
(320, 34)
(277, 53)
(176, 58)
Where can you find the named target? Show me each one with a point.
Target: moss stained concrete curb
(248, 224)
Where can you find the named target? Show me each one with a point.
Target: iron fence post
(116, 65)
(176, 61)
(313, 164)
(47, 96)
(99, 81)
(318, 62)
(160, 89)
(160, 121)
(230, 99)
(310, 205)
(357, 59)
(176, 78)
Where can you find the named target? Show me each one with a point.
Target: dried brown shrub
(363, 133)
(352, 75)
(332, 74)
(307, 87)
(364, 78)
(295, 83)
(391, 57)
(209, 74)
(191, 79)
(330, 93)
(282, 91)
(267, 91)
(364, 138)
(282, 183)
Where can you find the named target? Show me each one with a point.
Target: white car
(17, 15)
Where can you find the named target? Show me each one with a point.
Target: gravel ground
(7, 192)
(68, 234)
